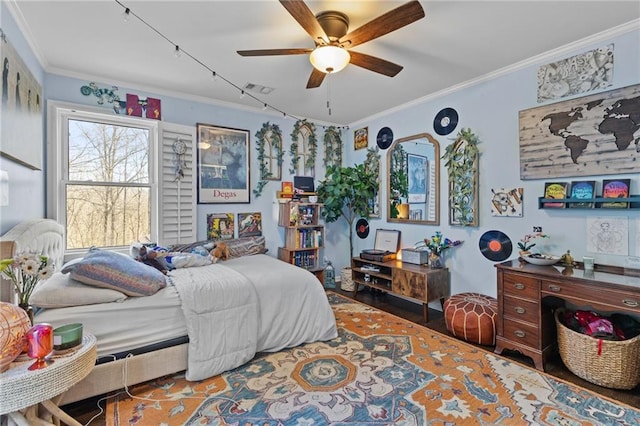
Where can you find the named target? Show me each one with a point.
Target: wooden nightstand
(33, 396)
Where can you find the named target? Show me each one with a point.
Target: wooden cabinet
(528, 294)
(413, 281)
(303, 235)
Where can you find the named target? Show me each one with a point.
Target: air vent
(263, 90)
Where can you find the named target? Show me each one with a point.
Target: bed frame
(46, 236)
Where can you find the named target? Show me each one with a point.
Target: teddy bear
(220, 251)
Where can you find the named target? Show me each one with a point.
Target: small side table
(23, 392)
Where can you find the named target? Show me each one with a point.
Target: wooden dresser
(417, 282)
(528, 295)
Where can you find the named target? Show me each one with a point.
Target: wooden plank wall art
(592, 135)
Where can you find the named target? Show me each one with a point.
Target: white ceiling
(457, 42)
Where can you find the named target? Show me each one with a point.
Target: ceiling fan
(329, 31)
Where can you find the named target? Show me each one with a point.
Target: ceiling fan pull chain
(328, 94)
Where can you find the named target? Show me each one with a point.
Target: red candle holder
(40, 345)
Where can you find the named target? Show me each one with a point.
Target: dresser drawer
(521, 286)
(597, 296)
(522, 309)
(521, 333)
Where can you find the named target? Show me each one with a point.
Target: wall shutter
(177, 195)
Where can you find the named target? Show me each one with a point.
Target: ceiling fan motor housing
(335, 24)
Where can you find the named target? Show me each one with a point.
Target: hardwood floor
(85, 410)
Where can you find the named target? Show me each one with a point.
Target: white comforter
(236, 308)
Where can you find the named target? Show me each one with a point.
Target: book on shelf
(615, 188)
(582, 190)
(555, 190)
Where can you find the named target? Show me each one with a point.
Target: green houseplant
(346, 192)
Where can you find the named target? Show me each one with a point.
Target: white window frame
(58, 115)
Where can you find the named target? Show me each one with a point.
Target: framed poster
(361, 138)
(223, 165)
(417, 166)
(587, 136)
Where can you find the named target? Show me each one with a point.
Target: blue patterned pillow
(107, 269)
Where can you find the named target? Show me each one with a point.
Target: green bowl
(67, 336)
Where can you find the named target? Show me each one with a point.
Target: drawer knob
(519, 333)
(519, 310)
(555, 288)
(519, 286)
(630, 303)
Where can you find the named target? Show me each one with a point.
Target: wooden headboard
(42, 236)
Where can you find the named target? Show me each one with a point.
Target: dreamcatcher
(179, 149)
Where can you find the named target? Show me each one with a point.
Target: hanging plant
(312, 145)
(372, 166)
(272, 131)
(461, 160)
(332, 147)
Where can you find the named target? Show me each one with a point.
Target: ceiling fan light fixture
(329, 59)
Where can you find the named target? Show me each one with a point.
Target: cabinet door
(410, 284)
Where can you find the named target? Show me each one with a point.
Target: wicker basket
(346, 280)
(617, 366)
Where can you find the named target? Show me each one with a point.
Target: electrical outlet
(537, 229)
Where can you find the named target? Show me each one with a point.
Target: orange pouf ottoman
(472, 317)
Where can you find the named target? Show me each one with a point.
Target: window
(102, 177)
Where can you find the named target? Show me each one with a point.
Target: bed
(206, 320)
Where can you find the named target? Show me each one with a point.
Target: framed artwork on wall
(220, 225)
(361, 138)
(587, 136)
(417, 175)
(223, 165)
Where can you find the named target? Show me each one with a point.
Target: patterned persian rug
(381, 370)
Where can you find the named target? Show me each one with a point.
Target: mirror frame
(419, 138)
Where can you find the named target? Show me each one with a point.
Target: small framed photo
(223, 165)
(249, 224)
(361, 138)
(615, 188)
(220, 225)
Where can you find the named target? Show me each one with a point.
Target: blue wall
(489, 107)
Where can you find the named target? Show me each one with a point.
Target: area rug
(381, 370)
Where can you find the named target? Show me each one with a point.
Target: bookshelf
(303, 235)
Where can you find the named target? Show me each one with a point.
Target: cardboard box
(417, 257)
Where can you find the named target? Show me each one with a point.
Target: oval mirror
(413, 180)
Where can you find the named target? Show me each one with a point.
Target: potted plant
(346, 192)
(398, 179)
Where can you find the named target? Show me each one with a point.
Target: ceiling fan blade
(384, 24)
(374, 64)
(307, 20)
(315, 79)
(273, 52)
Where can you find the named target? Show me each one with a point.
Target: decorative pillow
(108, 269)
(60, 291)
(238, 247)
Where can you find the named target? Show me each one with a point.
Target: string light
(214, 75)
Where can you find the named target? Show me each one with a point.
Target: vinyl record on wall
(384, 138)
(362, 228)
(495, 245)
(445, 121)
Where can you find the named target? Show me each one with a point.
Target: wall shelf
(633, 203)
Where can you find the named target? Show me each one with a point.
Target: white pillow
(61, 291)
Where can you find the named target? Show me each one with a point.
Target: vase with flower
(525, 244)
(25, 271)
(436, 246)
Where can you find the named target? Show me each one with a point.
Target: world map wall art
(592, 135)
